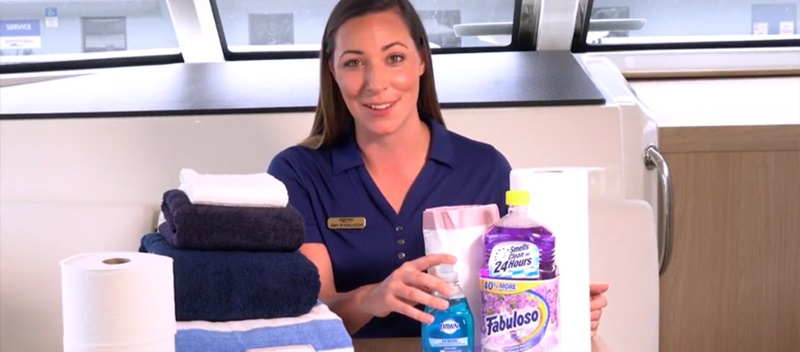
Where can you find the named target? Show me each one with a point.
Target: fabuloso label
(519, 315)
(514, 259)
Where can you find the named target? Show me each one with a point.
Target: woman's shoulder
(302, 153)
(298, 152)
(471, 149)
(296, 156)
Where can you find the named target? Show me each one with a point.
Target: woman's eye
(396, 59)
(351, 63)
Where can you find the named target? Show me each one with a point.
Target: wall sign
(20, 34)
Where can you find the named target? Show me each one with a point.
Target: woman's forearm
(347, 305)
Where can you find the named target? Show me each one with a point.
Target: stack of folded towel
(318, 331)
(234, 242)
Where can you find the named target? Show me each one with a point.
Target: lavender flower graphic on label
(551, 296)
(515, 336)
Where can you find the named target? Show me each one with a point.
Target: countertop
(767, 101)
(413, 344)
(493, 79)
(725, 114)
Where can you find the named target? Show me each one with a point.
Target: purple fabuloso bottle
(546, 242)
(517, 246)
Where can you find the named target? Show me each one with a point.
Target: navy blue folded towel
(218, 227)
(238, 285)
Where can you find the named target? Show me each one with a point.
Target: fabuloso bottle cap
(517, 197)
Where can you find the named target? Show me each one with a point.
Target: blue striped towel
(320, 329)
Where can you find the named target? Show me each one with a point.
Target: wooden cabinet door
(733, 283)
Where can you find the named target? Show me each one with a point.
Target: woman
(378, 155)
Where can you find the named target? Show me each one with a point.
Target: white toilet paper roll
(120, 301)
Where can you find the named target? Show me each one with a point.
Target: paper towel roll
(118, 301)
(459, 230)
(560, 201)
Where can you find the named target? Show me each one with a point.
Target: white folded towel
(252, 190)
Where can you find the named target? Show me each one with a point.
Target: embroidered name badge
(350, 223)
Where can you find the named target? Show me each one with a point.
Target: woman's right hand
(407, 287)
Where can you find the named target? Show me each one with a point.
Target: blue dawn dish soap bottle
(452, 328)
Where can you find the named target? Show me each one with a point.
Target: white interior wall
(81, 185)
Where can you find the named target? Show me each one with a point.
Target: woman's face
(378, 67)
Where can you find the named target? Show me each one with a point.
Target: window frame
(579, 44)
(516, 43)
(84, 64)
(118, 59)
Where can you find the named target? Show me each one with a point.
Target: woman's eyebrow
(384, 48)
(390, 45)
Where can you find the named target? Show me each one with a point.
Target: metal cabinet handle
(654, 159)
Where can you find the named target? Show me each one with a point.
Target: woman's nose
(376, 78)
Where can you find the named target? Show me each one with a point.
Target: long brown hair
(332, 118)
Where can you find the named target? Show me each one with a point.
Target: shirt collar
(346, 155)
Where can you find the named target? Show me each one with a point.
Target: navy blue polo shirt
(333, 182)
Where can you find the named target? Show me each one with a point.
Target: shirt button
(398, 228)
(401, 241)
(401, 255)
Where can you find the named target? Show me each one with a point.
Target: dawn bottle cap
(446, 273)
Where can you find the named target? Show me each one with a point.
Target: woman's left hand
(596, 304)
